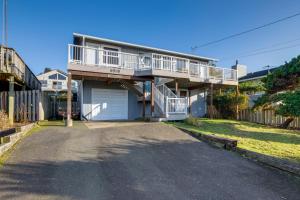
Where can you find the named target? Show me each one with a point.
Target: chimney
(242, 69)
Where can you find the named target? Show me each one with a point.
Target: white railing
(101, 57)
(159, 98)
(169, 63)
(176, 106)
(108, 58)
(229, 74)
(58, 87)
(168, 102)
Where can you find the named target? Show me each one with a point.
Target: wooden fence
(267, 117)
(26, 106)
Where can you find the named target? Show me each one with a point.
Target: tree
(251, 87)
(227, 101)
(282, 91)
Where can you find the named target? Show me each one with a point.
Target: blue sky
(41, 29)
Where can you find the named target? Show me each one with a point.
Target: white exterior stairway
(171, 107)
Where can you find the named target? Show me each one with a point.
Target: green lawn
(254, 137)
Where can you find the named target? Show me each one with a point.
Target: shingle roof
(257, 74)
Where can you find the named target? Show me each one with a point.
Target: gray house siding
(198, 103)
(134, 107)
(132, 50)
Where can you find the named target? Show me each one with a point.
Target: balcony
(57, 87)
(148, 64)
(12, 64)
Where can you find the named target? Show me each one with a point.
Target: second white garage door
(109, 104)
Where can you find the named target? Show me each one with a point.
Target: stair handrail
(159, 98)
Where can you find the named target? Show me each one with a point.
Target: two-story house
(125, 81)
(54, 93)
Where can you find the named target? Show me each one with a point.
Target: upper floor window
(57, 77)
(111, 56)
(53, 77)
(44, 83)
(61, 77)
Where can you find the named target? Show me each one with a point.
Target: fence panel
(26, 105)
(267, 117)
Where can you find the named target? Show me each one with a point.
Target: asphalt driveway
(134, 160)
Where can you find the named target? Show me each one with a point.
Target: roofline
(142, 46)
(253, 78)
(57, 70)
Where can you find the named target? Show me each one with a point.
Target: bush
(4, 121)
(193, 121)
(226, 103)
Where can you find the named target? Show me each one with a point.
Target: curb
(278, 163)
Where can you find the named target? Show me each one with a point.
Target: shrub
(193, 121)
(4, 121)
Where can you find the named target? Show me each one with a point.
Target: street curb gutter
(281, 164)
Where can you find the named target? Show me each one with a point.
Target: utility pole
(4, 30)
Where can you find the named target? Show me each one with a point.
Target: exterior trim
(142, 46)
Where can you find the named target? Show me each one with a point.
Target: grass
(270, 141)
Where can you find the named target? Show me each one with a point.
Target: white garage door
(109, 104)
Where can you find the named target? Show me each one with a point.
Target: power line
(269, 51)
(246, 31)
(260, 49)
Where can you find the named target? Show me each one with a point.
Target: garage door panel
(109, 104)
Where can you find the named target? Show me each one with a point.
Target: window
(147, 61)
(53, 77)
(44, 83)
(110, 56)
(61, 77)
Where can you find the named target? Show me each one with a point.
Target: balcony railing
(57, 87)
(107, 58)
(10, 62)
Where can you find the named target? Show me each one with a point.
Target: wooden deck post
(11, 100)
(176, 87)
(211, 102)
(152, 98)
(237, 106)
(69, 101)
(144, 99)
(190, 101)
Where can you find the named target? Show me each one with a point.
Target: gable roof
(143, 47)
(256, 75)
(52, 70)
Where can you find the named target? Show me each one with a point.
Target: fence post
(29, 105)
(33, 105)
(11, 102)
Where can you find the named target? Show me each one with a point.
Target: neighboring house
(19, 87)
(13, 69)
(54, 89)
(125, 81)
(255, 77)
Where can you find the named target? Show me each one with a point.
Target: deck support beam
(11, 100)
(69, 101)
(237, 106)
(152, 98)
(211, 100)
(144, 99)
(176, 87)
